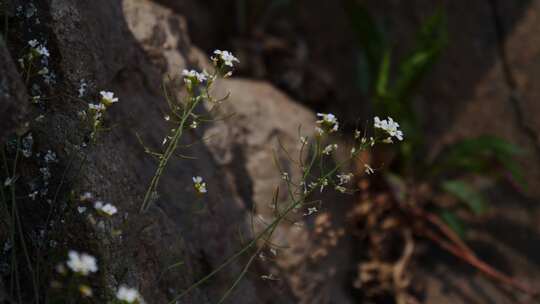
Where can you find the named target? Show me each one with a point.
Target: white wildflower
(345, 178)
(329, 149)
(127, 294)
(269, 277)
(226, 57)
(322, 182)
(368, 169)
(353, 150)
(107, 209)
(85, 197)
(36, 99)
(33, 195)
(81, 209)
(390, 127)
(43, 51)
(96, 107)
(199, 184)
(50, 157)
(327, 122)
(82, 88)
(303, 140)
(194, 75)
(341, 189)
(310, 211)
(33, 43)
(194, 125)
(81, 263)
(107, 98)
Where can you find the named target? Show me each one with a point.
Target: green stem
(270, 228)
(20, 228)
(171, 147)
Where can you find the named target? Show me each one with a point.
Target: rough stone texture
(13, 98)
(263, 118)
(129, 47)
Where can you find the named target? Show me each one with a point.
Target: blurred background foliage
(392, 84)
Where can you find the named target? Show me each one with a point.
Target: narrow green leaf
(384, 75)
(466, 194)
(432, 38)
(478, 155)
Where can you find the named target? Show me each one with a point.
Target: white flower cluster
(102, 208)
(105, 208)
(390, 127)
(224, 57)
(81, 263)
(50, 157)
(321, 182)
(344, 178)
(97, 110)
(191, 76)
(129, 295)
(368, 170)
(39, 48)
(310, 211)
(199, 185)
(107, 98)
(327, 123)
(329, 149)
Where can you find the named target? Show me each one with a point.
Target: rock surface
(13, 98)
(129, 47)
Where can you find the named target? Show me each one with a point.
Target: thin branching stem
(169, 151)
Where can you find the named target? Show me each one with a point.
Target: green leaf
(432, 38)
(467, 194)
(453, 221)
(477, 155)
(384, 75)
